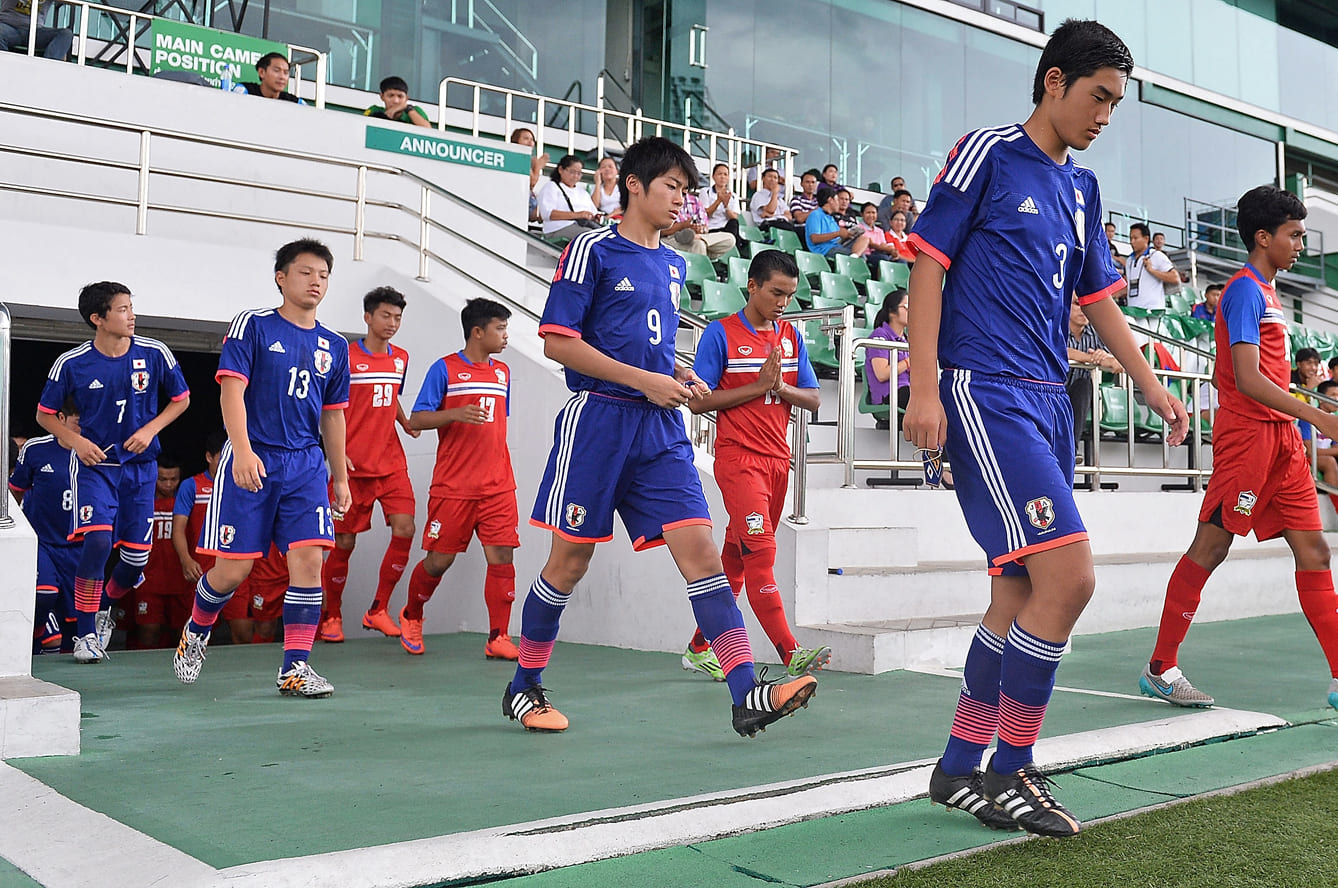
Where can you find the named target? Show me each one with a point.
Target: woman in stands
(722, 205)
(565, 207)
(897, 235)
(523, 136)
(889, 324)
(605, 193)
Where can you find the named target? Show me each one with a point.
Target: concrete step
(37, 718)
(856, 548)
(884, 645)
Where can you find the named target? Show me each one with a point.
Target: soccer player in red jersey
(1261, 474)
(189, 511)
(261, 594)
(758, 368)
(377, 470)
(466, 397)
(163, 597)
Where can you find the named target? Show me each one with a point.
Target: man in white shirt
(768, 207)
(1149, 271)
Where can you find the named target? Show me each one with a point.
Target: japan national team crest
(754, 521)
(673, 272)
(1041, 512)
(226, 534)
(1245, 502)
(139, 380)
(575, 515)
(85, 514)
(323, 361)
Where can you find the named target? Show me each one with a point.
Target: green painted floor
(13, 877)
(411, 747)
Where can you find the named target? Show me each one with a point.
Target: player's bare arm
(685, 374)
(1253, 384)
(579, 355)
(403, 419)
(470, 414)
(723, 399)
(1113, 329)
(89, 453)
(925, 424)
(248, 472)
(144, 435)
(333, 432)
(190, 568)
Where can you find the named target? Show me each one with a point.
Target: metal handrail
(635, 126)
(6, 371)
(86, 7)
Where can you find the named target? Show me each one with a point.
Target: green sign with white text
(178, 46)
(419, 144)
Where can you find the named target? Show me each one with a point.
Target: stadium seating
(749, 231)
(812, 265)
(754, 248)
(838, 289)
(721, 300)
(786, 240)
(894, 272)
(878, 291)
(699, 271)
(738, 272)
(854, 268)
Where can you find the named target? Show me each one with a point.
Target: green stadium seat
(721, 300)
(878, 291)
(838, 288)
(1114, 411)
(754, 248)
(721, 262)
(811, 265)
(749, 231)
(700, 270)
(881, 412)
(786, 240)
(854, 268)
(895, 272)
(738, 272)
(1179, 303)
(818, 342)
(803, 294)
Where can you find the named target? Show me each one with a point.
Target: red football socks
(1182, 600)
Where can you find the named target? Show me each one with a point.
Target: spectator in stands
(830, 175)
(889, 324)
(15, 21)
(272, 67)
(1207, 309)
(768, 208)
(885, 205)
(564, 206)
(690, 231)
(757, 170)
(1085, 347)
(722, 206)
(1115, 253)
(395, 104)
(1159, 241)
(902, 201)
(605, 193)
(1326, 453)
(845, 217)
(879, 248)
(896, 235)
(525, 136)
(1333, 372)
(804, 202)
(1149, 271)
(825, 235)
(1306, 372)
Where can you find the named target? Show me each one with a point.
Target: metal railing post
(1095, 379)
(424, 212)
(83, 33)
(599, 115)
(32, 43)
(800, 450)
(321, 76)
(129, 43)
(845, 403)
(6, 369)
(360, 214)
(142, 210)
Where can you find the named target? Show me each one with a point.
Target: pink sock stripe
(975, 722)
(299, 636)
(1019, 723)
(203, 617)
(87, 595)
(732, 649)
(534, 654)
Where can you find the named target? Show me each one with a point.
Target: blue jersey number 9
(653, 324)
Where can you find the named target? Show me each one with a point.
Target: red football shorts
(1261, 478)
(753, 488)
(394, 492)
(155, 609)
(451, 522)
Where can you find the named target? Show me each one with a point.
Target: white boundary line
(944, 672)
(36, 823)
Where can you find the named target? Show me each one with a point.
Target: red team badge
(1041, 512)
(575, 515)
(1245, 502)
(754, 521)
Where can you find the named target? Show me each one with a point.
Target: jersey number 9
(653, 324)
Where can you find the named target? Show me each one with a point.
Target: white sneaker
(87, 649)
(302, 681)
(189, 657)
(104, 624)
(1173, 687)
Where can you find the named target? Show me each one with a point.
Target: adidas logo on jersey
(277, 347)
(1028, 206)
(624, 286)
(46, 468)
(95, 384)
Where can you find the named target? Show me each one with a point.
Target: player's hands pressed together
(665, 391)
(248, 472)
(769, 377)
(926, 424)
(1169, 408)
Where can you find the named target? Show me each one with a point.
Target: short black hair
(69, 407)
(648, 159)
(1212, 287)
(824, 194)
(96, 299)
(515, 133)
(481, 312)
(1333, 362)
(864, 206)
(841, 188)
(812, 171)
(1141, 228)
(1264, 209)
(214, 441)
(168, 461)
(718, 166)
(382, 296)
(1079, 49)
(1160, 234)
(263, 62)
(765, 265)
(771, 170)
(1306, 354)
(1327, 385)
(900, 191)
(288, 252)
(830, 166)
(393, 82)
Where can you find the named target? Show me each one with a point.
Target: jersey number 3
(1062, 251)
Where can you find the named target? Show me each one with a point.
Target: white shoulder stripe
(238, 328)
(69, 355)
(43, 439)
(974, 152)
(578, 253)
(161, 347)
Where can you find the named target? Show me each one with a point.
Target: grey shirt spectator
(897, 200)
(15, 21)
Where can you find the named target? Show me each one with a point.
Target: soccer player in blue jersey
(115, 380)
(284, 383)
(620, 443)
(41, 484)
(1011, 232)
